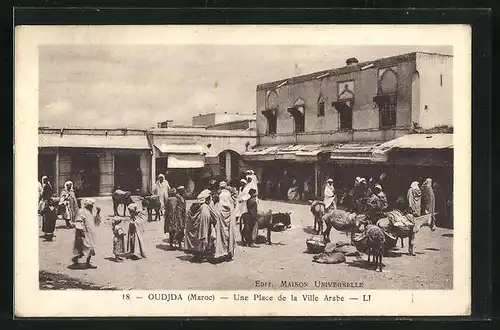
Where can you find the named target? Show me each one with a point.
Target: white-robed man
(85, 223)
(161, 188)
(225, 226)
(241, 201)
(329, 196)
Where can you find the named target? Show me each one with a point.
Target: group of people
(368, 197)
(207, 228)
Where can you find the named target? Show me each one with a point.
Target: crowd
(368, 197)
(207, 229)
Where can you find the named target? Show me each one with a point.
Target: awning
(194, 149)
(93, 141)
(295, 152)
(185, 161)
(414, 142)
(353, 152)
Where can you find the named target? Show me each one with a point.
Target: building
(211, 119)
(330, 123)
(245, 124)
(100, 161)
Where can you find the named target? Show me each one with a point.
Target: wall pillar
(316, 179)
(145, 158)
(107, 173)
(153, 168)
(56, 183)
(228, 166)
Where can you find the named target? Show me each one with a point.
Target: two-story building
(330, 123)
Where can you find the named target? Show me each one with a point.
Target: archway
(230, 162)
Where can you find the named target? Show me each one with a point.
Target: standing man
(225, 227)
(46, 194)
(329, 196)
(85, 223)
(241, 201)
(251, 225)
(180, 217)
(170, 214)
(200, 217)
(161, 189)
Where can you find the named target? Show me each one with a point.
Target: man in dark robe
(180, 215)
(170, 216)
(251, 225)
(200, 217)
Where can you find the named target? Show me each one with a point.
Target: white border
(30, 301)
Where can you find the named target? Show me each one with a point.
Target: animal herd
(375, 239)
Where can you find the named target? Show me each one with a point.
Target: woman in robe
(225, 227)
(293, 192)
(441, 209)
(200, 217)
(329, 196)
(85, 223)
(69, 202)
(135, 243)
(414, 197)
(49, 218)
(429, 201)
(170, 225)
(161, 189)
(46, 194)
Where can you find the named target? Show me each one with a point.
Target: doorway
(128, 175)
(85, 174)
(47, 167)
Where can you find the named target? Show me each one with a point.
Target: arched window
(321, 106)
(298, 114)
(387, 97)
(271, 112)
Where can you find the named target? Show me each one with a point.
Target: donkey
(318, 210)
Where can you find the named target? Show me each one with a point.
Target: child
(118, 239)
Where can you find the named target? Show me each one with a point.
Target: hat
(243, 181)
(203, 195)
(252, 172)
(132, 208)
(161, 176)
(378, 186)
(87, 201)
(248, 172)
(358, 179)
(329, 180)
(180, 188)
(222, 184)
(362, 180)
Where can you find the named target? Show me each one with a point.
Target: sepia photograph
(269, 167)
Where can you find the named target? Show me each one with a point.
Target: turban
(329, 180)
(161, 176)
(88, 202)
(203, 195)
(252, 191)
(132, 208)
(68, 183)
(249, 172)
(378, 186)
(358, 179)
(180, 188)
(243, 181)
(222, 184)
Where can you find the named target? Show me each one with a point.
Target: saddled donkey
(121, 197)
(318, 209)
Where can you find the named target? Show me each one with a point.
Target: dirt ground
(284, 260)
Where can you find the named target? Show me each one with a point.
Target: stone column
(56, 183)
(153, 167)
(228, 166)
(145, 168)
(316, 178)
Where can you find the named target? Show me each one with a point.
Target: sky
(137, 86)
